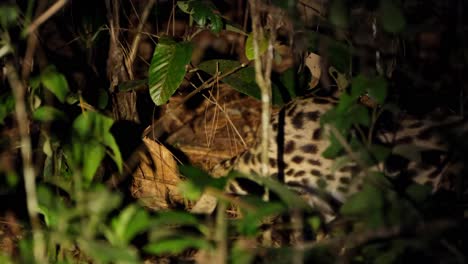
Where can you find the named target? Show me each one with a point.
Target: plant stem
(19, 92)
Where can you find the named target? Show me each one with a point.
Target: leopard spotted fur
(298, 140)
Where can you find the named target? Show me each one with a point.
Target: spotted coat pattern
(297, 141)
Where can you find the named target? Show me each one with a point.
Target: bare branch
(136, 41)
(46, 15)
(19, 91)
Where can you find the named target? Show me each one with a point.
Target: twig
(236, 131)
(31, 45)
(262, 76)
(46, 15)
(220, 255)
(263, 79)
(136, 40)
(19, 92)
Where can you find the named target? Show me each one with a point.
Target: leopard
(419, 153)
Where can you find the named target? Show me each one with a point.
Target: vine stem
(19, 92)
(263, 78)
(136, 41)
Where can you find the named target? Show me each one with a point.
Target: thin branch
(46, 15)
(136, 41)
(262, 76)
(31, 45)
(19, 91)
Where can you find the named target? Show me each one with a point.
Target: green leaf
(175, 218)
(340, 56)
(240, 254)
(315, 223)
(198, 181)
(203, 13)
(290, 198)
(91, 133)
(102, 252)
(55, 82)
(5, 49)
(380, 152)
(377, 178)
(46, 206)
(369, 200)
(92, 155)
(12, 179)
(360, 84)
(72, 98)
(48, 113)
(103, 98)
(177, 245)
(249, 47)
(167, 69)
(377, 89)
(5, 259)
(92, 125)
(252, 220)
(289, 82)
(345, 103)
(109, 141)
(99, 201)
(338, 14)
(130, 222)
(26, 251)
(334, 149)
(51, 206)
(8, 15)
(359, 115)
(184, 6)
(391, 16)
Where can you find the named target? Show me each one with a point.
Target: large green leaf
(167, 69)
(130, 222)
(55, 82)
(204, 11)
(197, 181)
(102, 252)
(91, 137)
(8, 15)
(368, 203)
(249, 47)
(48, 113)
(377, 89)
